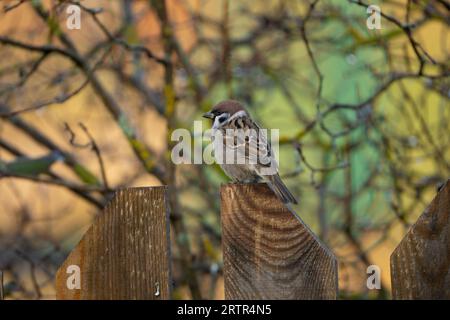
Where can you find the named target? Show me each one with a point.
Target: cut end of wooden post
(268, 252)
(125, 254)
(420, 265)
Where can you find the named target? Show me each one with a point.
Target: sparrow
(240, 135)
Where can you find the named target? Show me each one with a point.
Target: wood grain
(2, 295)
(125, 254)
(420, 265)
(268, 252)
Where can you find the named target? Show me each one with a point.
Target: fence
(268, 252)
(1, 286)
(126, 252)
(420, 265)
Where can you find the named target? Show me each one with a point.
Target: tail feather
(276, 184)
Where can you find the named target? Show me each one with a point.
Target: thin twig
(9, 7)
(92, 144)
(121, 42)
(57, 100)
(61, 98)
(55, 181)
(407, 29)
(34, 281)
(83, 194)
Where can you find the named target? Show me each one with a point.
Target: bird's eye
(223, 117)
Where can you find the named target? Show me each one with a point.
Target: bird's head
(222, 111)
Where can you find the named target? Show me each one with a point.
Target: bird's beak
(208, 115)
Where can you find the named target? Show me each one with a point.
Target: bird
(240, 135)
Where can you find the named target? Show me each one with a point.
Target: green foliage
(31, 166)
(85, 175)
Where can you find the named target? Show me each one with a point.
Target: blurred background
(363, 116)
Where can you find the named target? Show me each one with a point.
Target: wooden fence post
(268, 252)
(420, 265)
(125, 254)
(2, 295)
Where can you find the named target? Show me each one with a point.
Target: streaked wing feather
(257, 147)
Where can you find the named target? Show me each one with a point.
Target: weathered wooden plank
(125, 254)
(420, 265)
(268, 252)
(2, 295)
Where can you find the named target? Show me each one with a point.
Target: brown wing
(248, 142)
